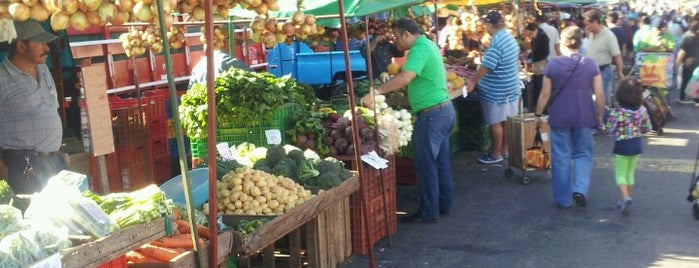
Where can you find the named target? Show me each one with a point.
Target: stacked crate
(156, 122)
(129, 135)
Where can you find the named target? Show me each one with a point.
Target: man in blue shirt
(498, 85)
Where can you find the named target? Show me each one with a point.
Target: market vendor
(30, 127)
(425, 77)
(223, 61)
(383, 50)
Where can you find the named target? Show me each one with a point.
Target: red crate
(158, 150)
(405, 172)
(162, 170)
(113, 174)
(155, 100)
(127, 124)
(379, 205)
(118, 262)
(157, 130)
(132, 164)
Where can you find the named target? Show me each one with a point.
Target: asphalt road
(498, 222)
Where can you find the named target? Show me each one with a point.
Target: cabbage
(10, 220)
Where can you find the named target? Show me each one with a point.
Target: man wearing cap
(30, 127)
(603, 48)
(424, 75)
(498, 85)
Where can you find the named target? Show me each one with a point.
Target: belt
(27, 153)
(602, 67)
(436, 106)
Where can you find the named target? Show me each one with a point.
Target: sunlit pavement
(499, 222)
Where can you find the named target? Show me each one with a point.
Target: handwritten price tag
(224, 151)
(274, 136)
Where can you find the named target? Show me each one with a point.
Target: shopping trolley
(521, 133)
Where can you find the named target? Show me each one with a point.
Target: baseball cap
(492, 17)
(31, 30)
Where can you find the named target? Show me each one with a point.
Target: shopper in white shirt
(552, 34)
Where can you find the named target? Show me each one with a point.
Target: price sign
(224, 151)
(274, 136)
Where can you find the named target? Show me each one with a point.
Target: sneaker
(505, 155)
(415, 218)
(625, 207)
(579, 199)
(489, 159)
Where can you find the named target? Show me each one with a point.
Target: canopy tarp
(330, 7)
(468, 2)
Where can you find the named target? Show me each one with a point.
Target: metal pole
(355, 129)
(179, 137)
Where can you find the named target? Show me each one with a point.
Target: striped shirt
(28, 110)
(501, 83)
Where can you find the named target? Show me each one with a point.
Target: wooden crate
(92, 254)
(188, 260)
(324, 241)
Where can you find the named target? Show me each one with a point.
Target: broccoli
(265, 169)
(260, 163)
(289, 162)
(298, 156)
(328, 180)
(274, 154)
(307, 170)
(345, 174)
(329, 166)
(282, 170)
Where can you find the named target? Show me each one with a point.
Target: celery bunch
(141, 206)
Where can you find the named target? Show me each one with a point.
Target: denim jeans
(433, 160)
(607, 76)
(572, 152)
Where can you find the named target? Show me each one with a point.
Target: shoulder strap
(563, 86)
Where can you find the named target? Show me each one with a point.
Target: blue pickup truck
(313, 68)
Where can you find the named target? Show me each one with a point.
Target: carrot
(176, 212)
(137, 257)
(159, 253)
(178, 241)
(183, 228)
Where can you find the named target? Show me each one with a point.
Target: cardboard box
(521, 131)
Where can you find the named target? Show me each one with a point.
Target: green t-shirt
(429, 87)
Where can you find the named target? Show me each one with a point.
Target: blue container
(199, 179)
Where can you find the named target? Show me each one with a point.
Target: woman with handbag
(570, 82)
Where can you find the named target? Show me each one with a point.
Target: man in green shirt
(425, 77)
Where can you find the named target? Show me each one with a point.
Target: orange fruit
(393, 68)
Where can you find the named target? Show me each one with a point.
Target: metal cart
(521, 133)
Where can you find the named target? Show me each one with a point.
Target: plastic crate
(127, 125)
(113, 174)
(162, 171)
(172, 147)
(281, 120)
(118, 262)
(158, 150)
(378, 210)
(157, 130)
(133, 166)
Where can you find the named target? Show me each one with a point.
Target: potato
(238, 204)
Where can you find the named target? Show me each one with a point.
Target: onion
(298, 18)
(142, 12)
(289, 28)
(4, 9)
(306, 29)
(94, 18)
(222, 11)
(272, 5)
(254, 3)
(184, 7)
(271, 25)
(198, 13)
(168, 20)
(269, 39)
(39, 12)
(29, 3)
(192, 3)
(19, 11)
(125, 5)
(107, 10)
(258, 24)
(120, 18)
(92, 5)
(69, 6)
(310, 19)
(60, 21)
(79, 21)
(261, 9)
(147, 2)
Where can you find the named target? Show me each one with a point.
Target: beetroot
(341, 144)
(301, 140)
(329, 141)
(311, 144)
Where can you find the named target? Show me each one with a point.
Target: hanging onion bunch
(220, 36)
(176, 36)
